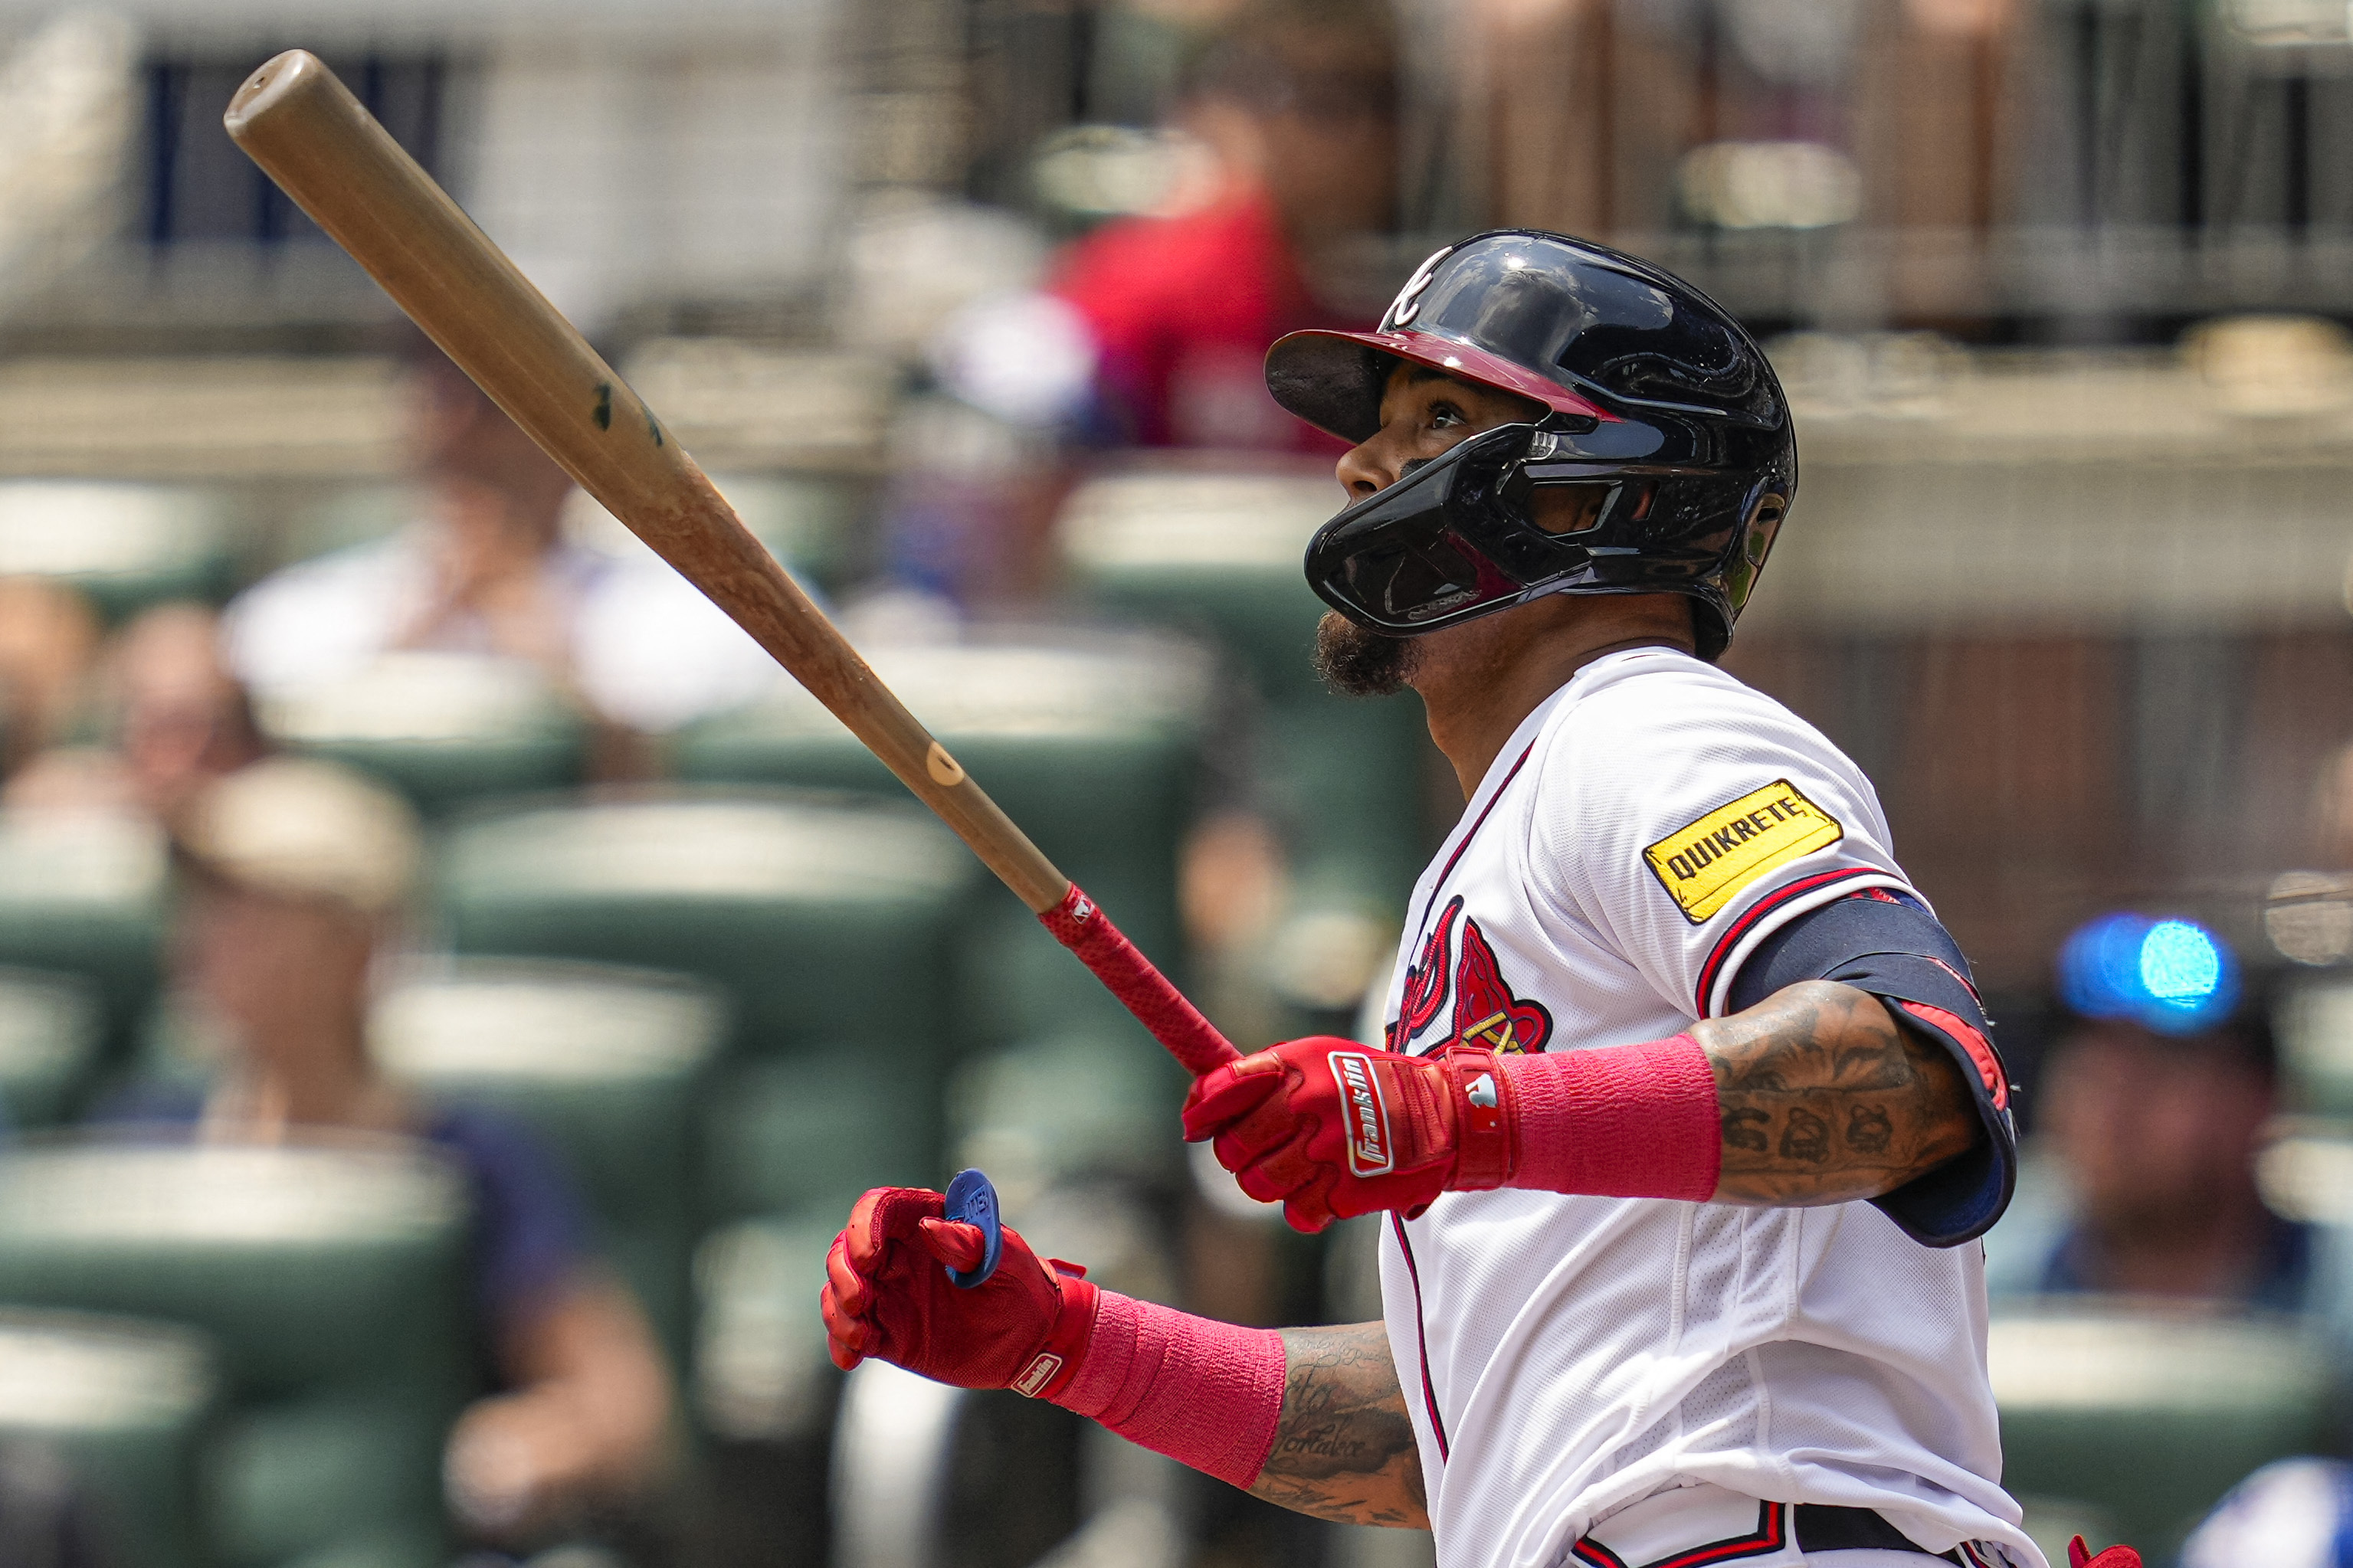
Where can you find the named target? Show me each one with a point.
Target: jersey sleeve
(1686, 818)
(1889, 944)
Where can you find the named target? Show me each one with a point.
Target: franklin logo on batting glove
(1330, 1129)
(1368, 1144)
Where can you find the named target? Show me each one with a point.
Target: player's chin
(1359, 662)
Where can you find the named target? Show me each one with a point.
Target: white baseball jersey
(1564, 1356)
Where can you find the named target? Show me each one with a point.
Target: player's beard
(1359, 662)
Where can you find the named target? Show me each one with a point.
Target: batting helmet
(1664, 464)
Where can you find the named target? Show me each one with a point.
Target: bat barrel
(296, 120)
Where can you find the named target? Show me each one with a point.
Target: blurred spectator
(296, 872)
(174, 718)
(2155, 1137)
(487, 571)
(49, 635)
(1152, 329)
(1297, 100)
(2297, 1514)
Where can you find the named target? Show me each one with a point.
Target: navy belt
(1814, 1527)
(1819, 1527)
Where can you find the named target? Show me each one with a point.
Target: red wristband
(1621, 1122)
(1049, 1371)
(1487, 1125)
(1206, 1393)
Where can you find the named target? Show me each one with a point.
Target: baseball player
(1684, 1119)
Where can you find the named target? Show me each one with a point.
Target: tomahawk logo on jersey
(1653, 841)
(1486, 1013)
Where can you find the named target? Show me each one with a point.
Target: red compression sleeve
(1206, 1393)
(1623, 1121)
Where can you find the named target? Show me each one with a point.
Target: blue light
(2179, 963)
(2171, 975)
(2099, 968)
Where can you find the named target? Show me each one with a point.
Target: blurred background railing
(646, 971)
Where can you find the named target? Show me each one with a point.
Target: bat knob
(972, 1201)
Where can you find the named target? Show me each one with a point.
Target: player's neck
(1480, 680)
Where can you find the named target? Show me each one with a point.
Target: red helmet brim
(1330, 380)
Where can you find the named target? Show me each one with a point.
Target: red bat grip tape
(1079, 924)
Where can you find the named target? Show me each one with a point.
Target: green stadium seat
(1219, 550)
(49, 1042)
(1091, 745)
(1219, 553)
(2315, 1039)
(607, 1065)
(332, 1278)
(1068, 1108)
(125, 545)
(2145, 1417)
(811, 1132)
(442, 727)
(83, 893)
(761, 1371)
(826, 919)
(125, 1403)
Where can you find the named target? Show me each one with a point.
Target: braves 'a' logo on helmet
(1485, 1012)
(1407, 303)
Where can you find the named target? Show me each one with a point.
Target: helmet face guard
(1663, 463)
(1517, 512)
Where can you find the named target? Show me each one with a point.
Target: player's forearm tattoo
(1343, 1446)
(1824, 1099)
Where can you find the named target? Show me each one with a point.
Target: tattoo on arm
(1343, 1446)
(1824, 1099)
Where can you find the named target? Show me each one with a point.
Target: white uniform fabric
(1565, 1356)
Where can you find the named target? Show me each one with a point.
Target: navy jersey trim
(1420, 1336)
(1771, 1534)
(1757, 912)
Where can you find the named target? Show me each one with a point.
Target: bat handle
(971, 1200)
(1079, 924)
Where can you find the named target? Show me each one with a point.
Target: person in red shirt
(1296, 101)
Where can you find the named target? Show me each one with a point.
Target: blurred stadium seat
(49, 1044)
(442, 727)
(2315, 1039)
(825, 917)
(1219, 552)
(1091, 745)
(125, 545)
(2146, 1415)
(82, 893)
(607, 1065)
(332, 1279)
(827, 921)
(126, 1404)
(1066, 1108)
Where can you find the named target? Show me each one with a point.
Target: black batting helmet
(1664, 464)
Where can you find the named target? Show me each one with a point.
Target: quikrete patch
(1702, 865)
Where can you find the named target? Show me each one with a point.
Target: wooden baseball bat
(327, 152)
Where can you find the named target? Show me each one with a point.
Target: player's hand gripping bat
(312, 136)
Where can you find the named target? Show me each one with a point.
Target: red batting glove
(1331, 1129)
(2080, 1556)
(887, 1294)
